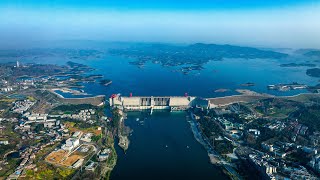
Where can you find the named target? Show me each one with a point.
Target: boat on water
(248, 84)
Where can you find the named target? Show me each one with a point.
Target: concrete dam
(136, 103)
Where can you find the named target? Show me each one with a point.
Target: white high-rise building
(18, 64)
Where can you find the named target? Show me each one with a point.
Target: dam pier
(139, 103)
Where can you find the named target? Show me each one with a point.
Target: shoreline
(98, 100)
(123, 140)
(62, 97)
(68, 90)
(215, 158)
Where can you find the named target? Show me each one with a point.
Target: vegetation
(9, 168)
(34, 70)
(314, 72)
(38, 128)
(309, 116)
(195, 54)
(11, 136)
(46, 171)
(50, 52)
(74, 126)
(234, 118)
(276, 108)
(5, 103)
(74, 107)
(107, 177)
(299, 157)
(209, 127)
(116, 116)
(298, 65)
(95, 138)
(223, 147)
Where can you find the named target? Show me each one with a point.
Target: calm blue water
(162, 146)
(155, 80)
(61, 78)
(13, 155)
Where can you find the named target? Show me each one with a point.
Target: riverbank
(123, 139)
(108, 166)
(215, 158)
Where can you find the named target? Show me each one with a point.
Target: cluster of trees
(309, 116)
(209, 127)
(116, 116)
(234, 118)
(38, 70)
(195, 54)
(6, 148)
(95, 138)
(74, 108)
(223, 147)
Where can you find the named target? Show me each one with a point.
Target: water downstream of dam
(162, 146)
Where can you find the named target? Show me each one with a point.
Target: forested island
(298, 65)
(314, 72)
(194, 55)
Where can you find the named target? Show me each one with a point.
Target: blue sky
(262, 23)
(155, 4)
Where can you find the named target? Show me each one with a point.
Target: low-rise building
(70, 144)
(6, 89)
(78, 163)
(104, 154)
(267, 147)
(87, 137)
(263, 166)
(77, 134)
(4, 142)
(91, 167)
(256, 132)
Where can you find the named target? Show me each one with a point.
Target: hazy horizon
(281, 24)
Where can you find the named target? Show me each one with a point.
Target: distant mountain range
(313, 54)
(195, 54)
(165, 54)
(48, 52)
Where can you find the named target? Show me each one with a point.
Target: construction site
(68, 158)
